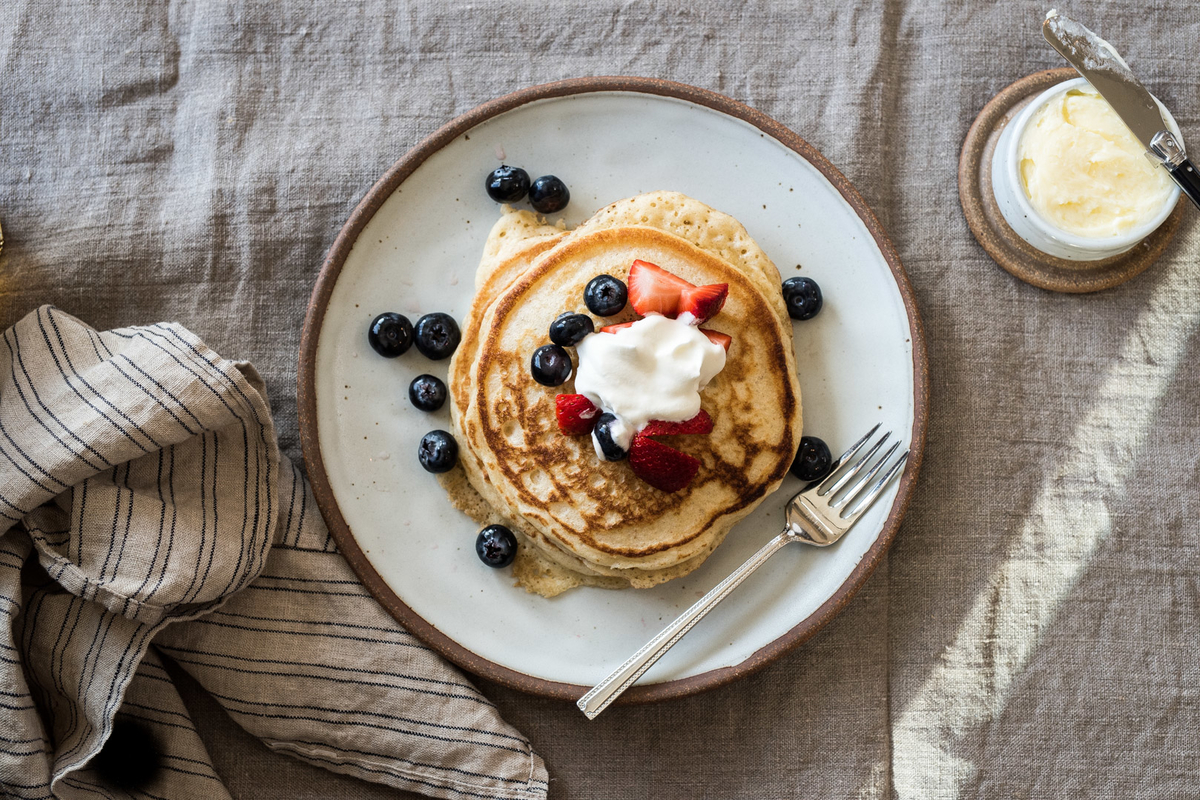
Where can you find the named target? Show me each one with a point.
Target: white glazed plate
(413, 245)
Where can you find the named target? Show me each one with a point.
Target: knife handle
(1188, 178)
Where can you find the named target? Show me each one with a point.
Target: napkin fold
(145, 510)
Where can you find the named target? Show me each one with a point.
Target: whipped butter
(1083, 170)
(652, 369)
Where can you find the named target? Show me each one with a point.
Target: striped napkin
(146, 514)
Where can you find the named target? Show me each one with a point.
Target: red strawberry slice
(576, 414)
(701, 423)
(653, 290)
(617, 327)
(660, 465)
(703, 302)
(716, 337)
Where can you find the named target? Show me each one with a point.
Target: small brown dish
(1008, 249)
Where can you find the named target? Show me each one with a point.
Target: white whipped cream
(652, 369)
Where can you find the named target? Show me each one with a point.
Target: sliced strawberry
(576, 414)
(617, 327)
(660, 465)
(653, 290)
(701, 423)
(716, 337)
(703, 302)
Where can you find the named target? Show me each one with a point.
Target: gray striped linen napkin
(145, 511)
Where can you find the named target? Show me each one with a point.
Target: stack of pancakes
(579, 519)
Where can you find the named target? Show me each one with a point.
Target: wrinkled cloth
(1033, 630)
(147, 512)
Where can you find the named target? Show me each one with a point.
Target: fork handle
(609, 689)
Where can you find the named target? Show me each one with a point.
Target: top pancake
(589, 515)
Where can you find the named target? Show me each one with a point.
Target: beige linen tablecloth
(1034, 629)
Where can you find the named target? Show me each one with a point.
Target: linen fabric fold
(143, 499)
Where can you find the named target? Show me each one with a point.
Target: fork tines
(831, 488)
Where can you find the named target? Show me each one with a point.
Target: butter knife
(1099, 62)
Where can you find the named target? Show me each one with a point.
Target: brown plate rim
(307, 405)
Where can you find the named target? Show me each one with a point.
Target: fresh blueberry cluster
(551, 364)
(547, 194)
(436, 336)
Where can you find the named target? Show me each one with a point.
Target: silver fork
(818, 515)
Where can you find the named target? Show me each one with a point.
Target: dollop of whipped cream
(652, 369)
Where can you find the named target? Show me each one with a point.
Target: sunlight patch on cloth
(1069, 520)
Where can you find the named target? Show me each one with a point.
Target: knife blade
(1102, 66)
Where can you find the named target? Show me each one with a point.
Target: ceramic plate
(412, 246)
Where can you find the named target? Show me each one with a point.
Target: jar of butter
(1073, 181)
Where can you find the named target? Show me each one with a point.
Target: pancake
(581, 519)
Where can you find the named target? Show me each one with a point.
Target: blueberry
(813, 459)
(802, 296)
(550, 365)
(438, 452)
(604, 437)
(548, 194)
(390, 334)
(437, 335)
(427, 392)
(507, 184)
(605, 295)
(569, 329)
(496, 546)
